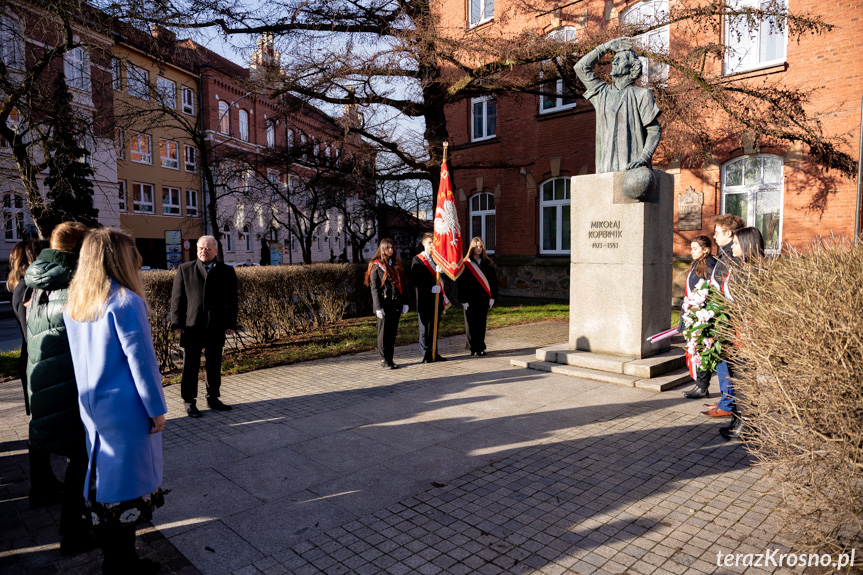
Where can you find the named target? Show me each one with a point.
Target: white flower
(94, 519)
(130, 515)
(704, 315)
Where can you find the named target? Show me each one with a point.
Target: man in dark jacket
(203, 312)
(423, 276)
(724, 226)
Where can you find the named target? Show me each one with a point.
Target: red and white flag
(447, 247)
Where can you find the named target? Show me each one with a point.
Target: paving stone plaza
(468, 466)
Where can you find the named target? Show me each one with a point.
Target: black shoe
(734, 431)
(216, 404)
(392, 365)
(193, 411)
(481, 353)
(697, 393)
(440, 358)
(473, 353)
(427, 359)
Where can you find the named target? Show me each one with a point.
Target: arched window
(228, 235)
(271, 135)
(244, 125)
(246, 237)
(752, 188)
(554, 216)
(224, 119)
(482, 219)
(556, 96)
(643, 15)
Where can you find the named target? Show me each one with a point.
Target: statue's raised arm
(627, 126)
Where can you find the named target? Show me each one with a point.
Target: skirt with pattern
(125, 512)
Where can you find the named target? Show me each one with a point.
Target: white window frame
(188, 96)
(135, 148)
(117, 74)
(76, 67)
(271, 135)
(192, 203)
(476, 209)
(169, 154)
(137, 82)
(121, 195)
(14, 217)
(561, 205)
(167, 90)
(289, 138)
(757, 194)
(11, 42)
(739, 58)
(170, 201)
(555, 102)
(644, 14)
(140, 203)
(479, 12)
(482, 104)
(305, 151)
(228, 234)
(245, 237)
(224, 126)
(190, 158)
(244, 125)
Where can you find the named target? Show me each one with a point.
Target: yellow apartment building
(158, 165)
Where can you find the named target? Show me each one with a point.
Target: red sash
(424, 259)
(385, 269)
(480, 277)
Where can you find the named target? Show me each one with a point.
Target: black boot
(120, 557)
(735, 430)
(696, 392)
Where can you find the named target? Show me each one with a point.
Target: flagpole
(437, 283)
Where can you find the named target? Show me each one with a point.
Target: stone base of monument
(659, 372)
(621, 270)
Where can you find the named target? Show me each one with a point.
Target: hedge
(274, 301)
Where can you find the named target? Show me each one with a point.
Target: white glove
(465, 306)
(435, 289)
(490, 303)
(380, 314)
(438, 269)
(404, 309)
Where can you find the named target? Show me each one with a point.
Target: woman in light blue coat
(119, 394)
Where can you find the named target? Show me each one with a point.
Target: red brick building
(523, 211)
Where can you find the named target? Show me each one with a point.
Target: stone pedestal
(620, 280)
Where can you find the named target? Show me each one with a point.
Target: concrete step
(666, 381)
(640, 368)
(580, 372)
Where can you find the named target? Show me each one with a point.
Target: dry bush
(272, 302)
(799, 334)
(157, 285)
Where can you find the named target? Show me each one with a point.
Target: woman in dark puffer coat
(55, 421)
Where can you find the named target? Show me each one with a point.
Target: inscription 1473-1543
(604, 230)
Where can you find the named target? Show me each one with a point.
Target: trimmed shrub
(272, 302)
(798, 325)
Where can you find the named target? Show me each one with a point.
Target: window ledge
(577, 109)
(755, 72)
(480, 24)
(493, 140)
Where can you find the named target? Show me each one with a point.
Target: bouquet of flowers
(704, 319)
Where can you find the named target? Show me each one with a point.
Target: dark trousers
(388, 328)
(474, 326)
(72, 522)
(118, 547)
(42, 478)
(426, 324)
(211, 345)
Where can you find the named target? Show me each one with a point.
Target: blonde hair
(105, 255)
(473, 244)
(68, 236)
